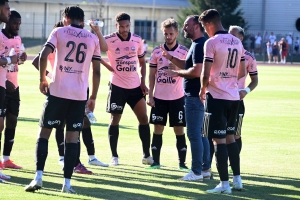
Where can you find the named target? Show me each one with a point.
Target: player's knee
(143, 120)
(179, 130)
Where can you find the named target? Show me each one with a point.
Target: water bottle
(96, 23)
(90, 115)
(22, 50)
(11, 66)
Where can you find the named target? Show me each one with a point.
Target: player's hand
(23, 56)
(10, 87)
(44, 86)
(14, 58)
(90, 104)
(202, 95)
(151, 102)
(242, 93)
(165, 52)
(95, 28)
(144, 89)
(171, 73)
(171, 66)
(110, 68)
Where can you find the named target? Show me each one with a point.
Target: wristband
(171, 58)
(8, 60)
(247, 89)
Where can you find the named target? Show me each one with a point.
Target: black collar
(7, 34)
(76, 26)
(221, 32)
(173, 49)
(127, 39)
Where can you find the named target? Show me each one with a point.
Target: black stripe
(153, 66)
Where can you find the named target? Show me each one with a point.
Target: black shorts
(118, 97)
(175, 108)
(220, 116)
(12, 102)
(239, 118)
(2, 100)
(58, 110)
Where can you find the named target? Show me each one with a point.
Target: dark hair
(73, 12)
(58, 24)
(196, 21)
(2, 2)
(122, 16)
(14, 15)
(211, 15)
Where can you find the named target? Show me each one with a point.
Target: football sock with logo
(239, 143)
(144, 132)
(70, 159)
(181, 148)
(88, 141)
(156, 147)
(41, 153)
(234, 158)
(9, 135)
(77, 160)
(221, 159)
(59, 135)
(113, 136)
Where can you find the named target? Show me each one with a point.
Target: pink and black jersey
(166, 87)
(123, 57)
(251, 69)
(3, 69)
(9, 43)
(75, 49)
(225, 51)
(51, 59)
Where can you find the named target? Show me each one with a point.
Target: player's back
(225, 51)
(75, 49)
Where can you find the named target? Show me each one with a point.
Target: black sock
(144, 132)
(113, 136)
(88, 141)
(211, 149)
(239, 143)
(181, 148)
(41, 153)
(77, 160)
(156, 147)
(70, 159)
(59, 135)
(9, 135)
(221, 159)
(234, 158)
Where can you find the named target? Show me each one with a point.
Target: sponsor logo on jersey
(162, 76)
(157, 118)
(160, 60)
(117, 51)
(226, 75)
(133, 48)
(68, 69)
(124, 64)
(54, 122)
(114, 106)
(229, 41)
(126, 49)
(80, 34)
(77, 125)
(220, 132)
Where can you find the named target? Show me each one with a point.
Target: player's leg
(137, 103)
(53, 115)
(240, 117)
(115, 105)
(60, 141)
(194, 112)
(88, 141)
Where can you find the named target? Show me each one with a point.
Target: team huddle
(201, 88)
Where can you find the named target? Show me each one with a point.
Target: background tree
(228, 10)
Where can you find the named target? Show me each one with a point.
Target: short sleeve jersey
(251, 69)
(225, 51)
(75, 49)
(166, 87)
(123, 57)
(9, 43)
(3, 70)
(194, 56)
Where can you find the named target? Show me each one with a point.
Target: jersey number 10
(232, 56)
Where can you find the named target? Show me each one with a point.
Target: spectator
(272, 38)
(257, 43)
(289, 40)
(275, 52)
(252, 43)
(269, 51)
(283, 45)
(296, 47)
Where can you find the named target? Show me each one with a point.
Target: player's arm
(242, 69)
(102, 42)
(192, 72)
(176, 61)
(9, 60)
(35, 63)
(42, 67)
(142, 62)
(95, 84)
(152, 74)
(108, 66)
(204, 79)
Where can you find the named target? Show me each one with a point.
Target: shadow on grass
(26, 119)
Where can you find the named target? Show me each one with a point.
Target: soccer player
(125, 54)
(251, 69)
(168, 95)
(223, 65)
(4, 60)
(12, 98)
(67, 93)
(194, 109)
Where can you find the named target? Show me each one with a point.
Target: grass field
(270, 157)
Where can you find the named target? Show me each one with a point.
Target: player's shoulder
(183, 48)
(136, 36)
(249, 55)
(110, 36)
(156, 49)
